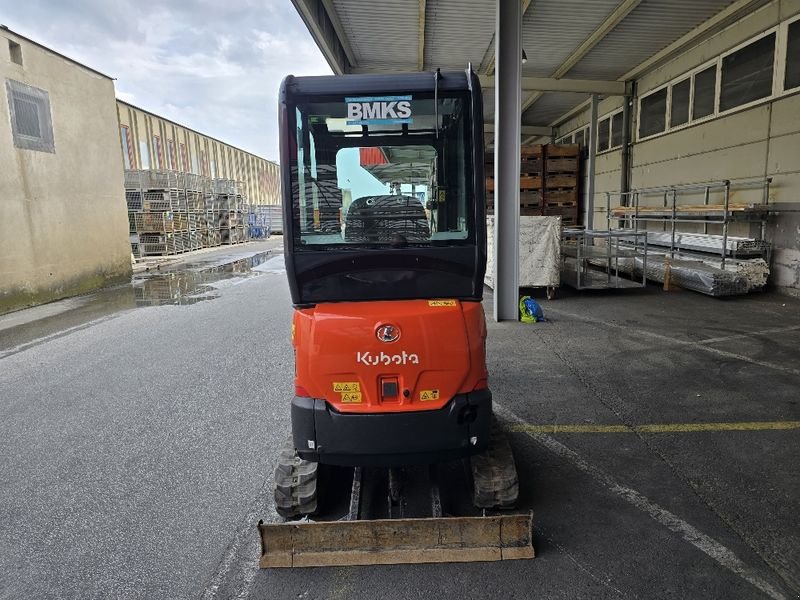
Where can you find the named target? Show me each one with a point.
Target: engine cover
(389, 356)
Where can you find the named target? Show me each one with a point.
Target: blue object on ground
(529, 310)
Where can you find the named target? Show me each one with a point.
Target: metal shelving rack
(171, 212)
(588, 265)
(630, 213)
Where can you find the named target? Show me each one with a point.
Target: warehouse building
(63, 223)
(677, 106)
(153, 142)
(727, 108)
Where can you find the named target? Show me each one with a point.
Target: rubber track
(494, 474)
(295, 484)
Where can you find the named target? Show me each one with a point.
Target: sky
(212, 65)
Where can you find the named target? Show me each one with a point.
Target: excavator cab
(385, 248)
(385, 253)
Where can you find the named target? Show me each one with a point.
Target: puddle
(197, 281)
(185, 284)
(275, 264)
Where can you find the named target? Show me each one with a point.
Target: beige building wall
(152, 142)
(762, 140)
(63, 221)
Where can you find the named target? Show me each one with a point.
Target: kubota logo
(388, 333)
(373, 360)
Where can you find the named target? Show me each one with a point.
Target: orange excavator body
(342, 357)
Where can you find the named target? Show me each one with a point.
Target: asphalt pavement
(141, 426)
(134, 444)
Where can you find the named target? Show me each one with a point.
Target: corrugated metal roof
(551, 106)
(651, 27)
(384, 35)
(457, 33)
(552, 29)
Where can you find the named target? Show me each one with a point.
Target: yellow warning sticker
(441, 302)
(426, 395)
(351, 398)
(346, 386)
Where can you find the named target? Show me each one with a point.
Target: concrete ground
(656, 435)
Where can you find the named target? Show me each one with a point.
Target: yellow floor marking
(660, 428)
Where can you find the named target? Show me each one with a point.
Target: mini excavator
(385, 248)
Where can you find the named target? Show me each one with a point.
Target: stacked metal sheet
(694, 275)
(712, 244)
(754, 270)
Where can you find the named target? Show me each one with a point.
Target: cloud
(213, 66)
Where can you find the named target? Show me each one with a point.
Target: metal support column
(507, 127)
(725, 217)
(625, 168)
(590, 167)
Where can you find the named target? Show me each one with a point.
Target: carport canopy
(572, 53)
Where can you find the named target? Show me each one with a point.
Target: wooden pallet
(528, 152)
(531, 166)
(560, 204)
(561, 181)
(530, 198)
(571, 150)
(537, 207)
(560, 164)
(549, 180)
(562, 196)
(530, 182)
(526, 183)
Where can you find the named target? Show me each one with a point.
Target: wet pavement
(188, 280)
(196, 281)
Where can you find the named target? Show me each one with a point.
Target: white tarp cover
(539, 251)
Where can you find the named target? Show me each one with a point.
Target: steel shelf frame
(674, 213)
(578, 247)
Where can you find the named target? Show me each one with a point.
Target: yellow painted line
(660, 427)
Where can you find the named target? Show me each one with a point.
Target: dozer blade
(396, 541)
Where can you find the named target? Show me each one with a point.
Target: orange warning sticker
(346, 386)
(426, 395)
(441, 302)
(351, 398)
